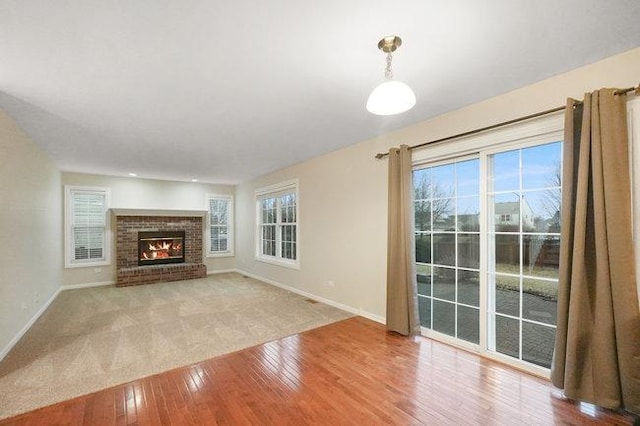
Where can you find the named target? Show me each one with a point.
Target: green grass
(423, 269)
(531, 285)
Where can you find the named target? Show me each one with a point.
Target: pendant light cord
(388, 73)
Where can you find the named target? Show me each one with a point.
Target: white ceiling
(227, 91)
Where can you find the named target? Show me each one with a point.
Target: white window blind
(86, 226)
(220, 238)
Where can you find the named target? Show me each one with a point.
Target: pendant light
(392, 96)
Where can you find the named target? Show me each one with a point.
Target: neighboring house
(508, 214)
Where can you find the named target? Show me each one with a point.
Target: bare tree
(551, 203)
(429, 203)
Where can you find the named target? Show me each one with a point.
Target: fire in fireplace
(159, 247)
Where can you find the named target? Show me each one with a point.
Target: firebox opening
(160, 247)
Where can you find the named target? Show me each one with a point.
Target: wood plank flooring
(350, 372)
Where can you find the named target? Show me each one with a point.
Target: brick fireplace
(129, 223)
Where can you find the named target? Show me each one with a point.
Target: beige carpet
(95, 338)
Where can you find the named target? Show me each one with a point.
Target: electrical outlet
(97, 270)
(36, 298)
(331, 283)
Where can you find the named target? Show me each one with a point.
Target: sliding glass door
(490, 225)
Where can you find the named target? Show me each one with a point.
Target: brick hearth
(128, 271)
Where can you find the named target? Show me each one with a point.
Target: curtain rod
(381, 155)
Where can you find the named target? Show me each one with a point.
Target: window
(487, 233)
(277, 224)
(86, 236)
(220, 225)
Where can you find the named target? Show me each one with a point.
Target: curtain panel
(597, 348)
(402, 292)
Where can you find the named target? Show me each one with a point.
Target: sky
(528, 172)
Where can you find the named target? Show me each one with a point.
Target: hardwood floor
(350, 372)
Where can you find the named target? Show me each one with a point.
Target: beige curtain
(597, 349)
(402, 293)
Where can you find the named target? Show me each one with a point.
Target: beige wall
(31, 237)
(343, 195)
(342, 218)
(138, 193)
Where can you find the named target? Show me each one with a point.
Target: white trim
(373, 317)
(69, 261)
(520, 365)
(221, 271)
(527, 142)
(485, 305)
(539, 128)
(352, 310)
(274, 191)
(221, 254)
(87, 285)
(157, 212)
(272, 260)
(88, 264)
(277, 187)
(633, 123)
(230, 252)
(28, 325)
(450, 340)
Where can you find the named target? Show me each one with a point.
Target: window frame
(276, 191)
(70, 261)
(530, 133)
(492, 314)
(633, 123)
(455, 268)
(230, 251)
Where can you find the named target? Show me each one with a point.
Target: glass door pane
(524, 245)
(447, 233)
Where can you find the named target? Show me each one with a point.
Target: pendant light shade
(391, 97)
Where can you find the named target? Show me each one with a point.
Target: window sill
(220, 254)
(291, 264)
(86, 264)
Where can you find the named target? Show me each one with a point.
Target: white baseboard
(373, 317)
(355, 311)
(27, 326)
(221, 271)
(87, 285)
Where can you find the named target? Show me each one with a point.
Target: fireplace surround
(131, 224)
